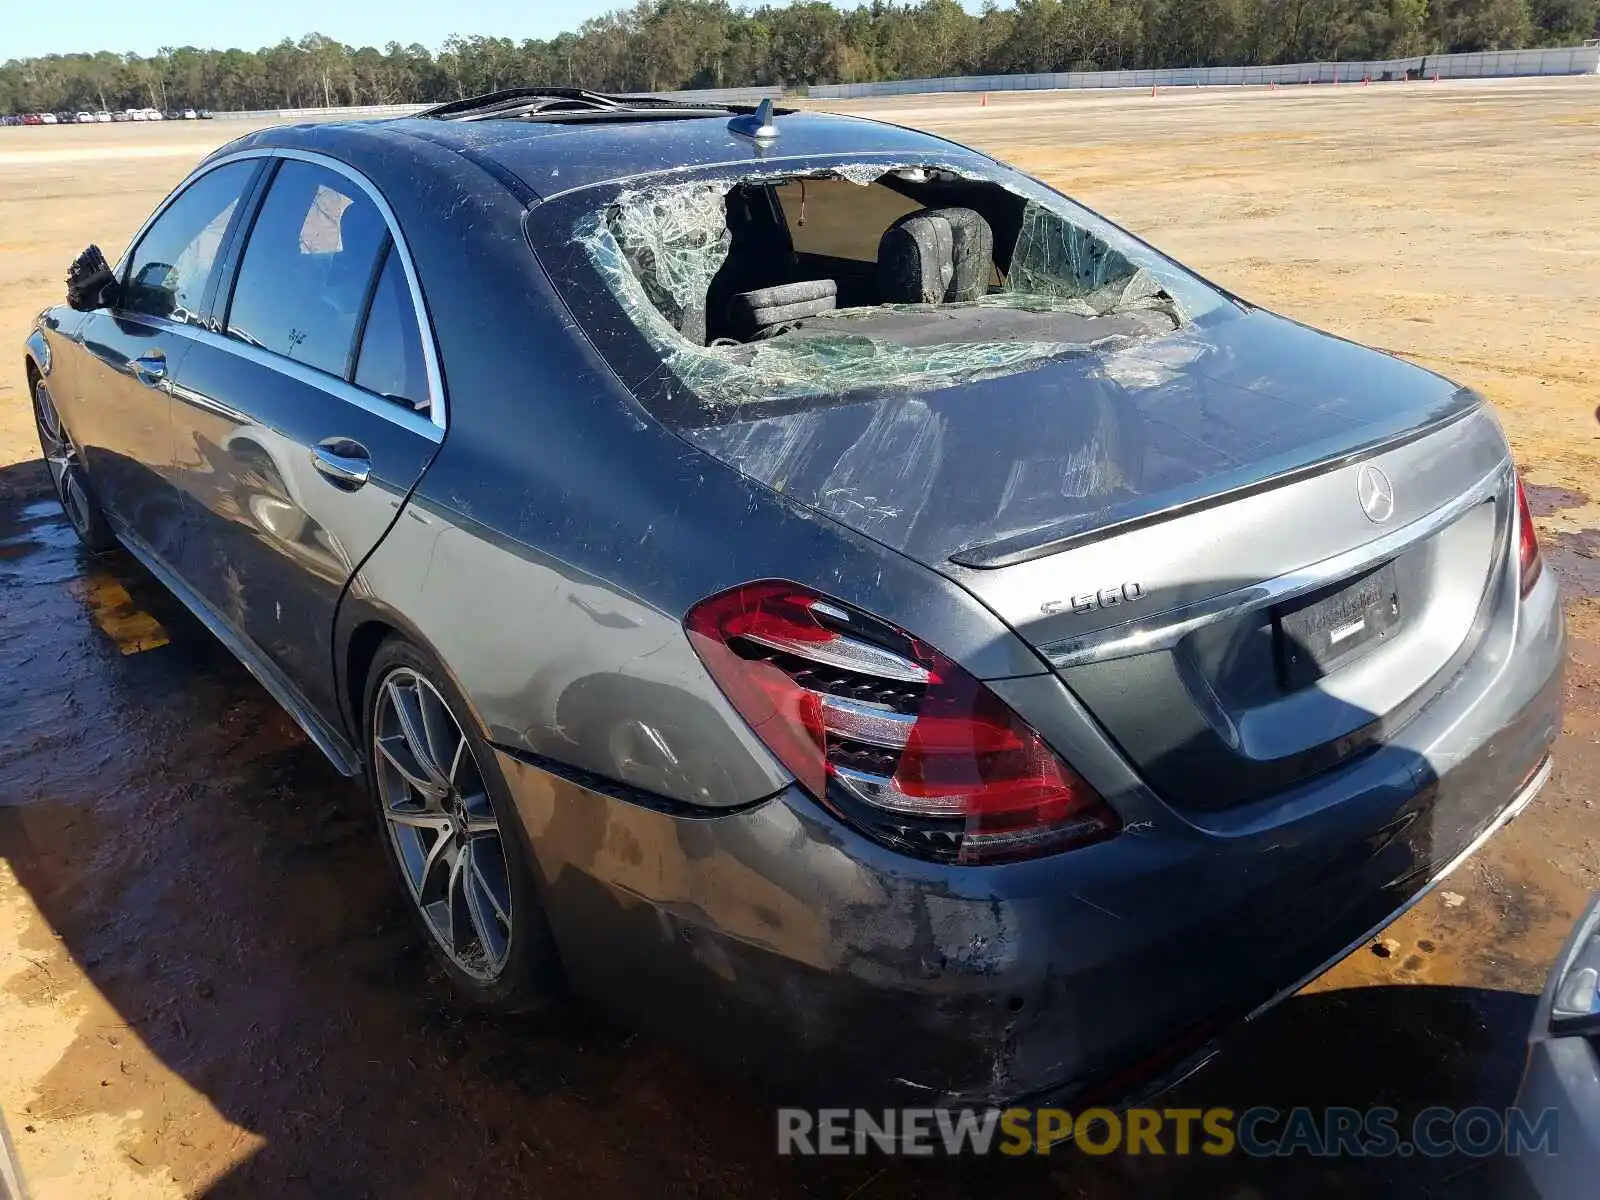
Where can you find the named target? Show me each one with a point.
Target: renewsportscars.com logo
(1260, 1132)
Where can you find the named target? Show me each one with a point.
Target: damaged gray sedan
(811, 587)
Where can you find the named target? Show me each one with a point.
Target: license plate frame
(1317, 634)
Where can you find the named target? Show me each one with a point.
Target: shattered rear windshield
(774, 286)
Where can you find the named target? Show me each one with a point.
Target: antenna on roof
(758, 124)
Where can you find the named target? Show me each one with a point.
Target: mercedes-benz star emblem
(1376, 494)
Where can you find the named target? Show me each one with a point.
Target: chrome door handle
(150, 369)
(342, 461)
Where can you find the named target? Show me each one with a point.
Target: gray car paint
(547, 558)
(1561, 1077)
(779, 936)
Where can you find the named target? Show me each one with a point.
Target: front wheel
(67, 475)
(448, 821)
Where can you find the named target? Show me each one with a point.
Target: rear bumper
(779, 939)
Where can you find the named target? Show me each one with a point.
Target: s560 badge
(1085, 602)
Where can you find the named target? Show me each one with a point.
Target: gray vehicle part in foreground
(1562, 1074)
(11, 1186)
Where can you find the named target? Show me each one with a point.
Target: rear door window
(390, 360)
(170, 268)
(308, 268)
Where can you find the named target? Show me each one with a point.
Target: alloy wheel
(442, 824)
(62, 458)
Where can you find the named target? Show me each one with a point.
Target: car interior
(910, 258)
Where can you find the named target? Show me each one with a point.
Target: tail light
(1530, 561)
(888, 732)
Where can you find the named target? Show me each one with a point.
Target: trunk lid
(996, 471)
(1251, 550)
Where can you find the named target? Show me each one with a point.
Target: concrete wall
(1577, 60)
(1584, 60)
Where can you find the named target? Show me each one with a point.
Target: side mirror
(90, 282)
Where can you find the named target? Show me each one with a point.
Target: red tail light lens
(888, 731)
(1529, 559)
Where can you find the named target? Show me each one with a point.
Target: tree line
(663, 45)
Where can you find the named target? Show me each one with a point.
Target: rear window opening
(873, 278)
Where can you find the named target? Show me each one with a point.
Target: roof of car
(552, 157)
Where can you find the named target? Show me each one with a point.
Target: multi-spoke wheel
(66, 472)
(441, 802)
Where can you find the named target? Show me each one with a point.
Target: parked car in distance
(83, 118)
(48, 119)
(102, 117)
(122, 115)
(810, 586)
(190, 115)
(204, 114)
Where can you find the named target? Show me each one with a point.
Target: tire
(472, 891)
(67, 476)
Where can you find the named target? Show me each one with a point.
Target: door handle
(343, 462)
(150, 369)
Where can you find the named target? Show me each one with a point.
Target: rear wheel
(449, 824)
(67, 475)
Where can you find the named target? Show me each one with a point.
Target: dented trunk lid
(1178, 527)
(997, 471)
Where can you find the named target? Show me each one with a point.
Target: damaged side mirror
(90, 282)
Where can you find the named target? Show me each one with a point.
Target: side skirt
(327, 739)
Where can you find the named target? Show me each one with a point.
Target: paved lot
(207, 986)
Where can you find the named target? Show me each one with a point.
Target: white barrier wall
(1574, 60)
(289, 114)
(1577, 60)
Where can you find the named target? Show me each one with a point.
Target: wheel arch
(36, 359)
(361, 627)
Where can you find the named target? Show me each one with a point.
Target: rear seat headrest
(934, 256)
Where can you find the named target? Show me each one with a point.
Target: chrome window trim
(339, 389)
(122, 264)
(1164, 630)
(437, 407)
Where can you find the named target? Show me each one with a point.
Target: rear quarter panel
(551, 550)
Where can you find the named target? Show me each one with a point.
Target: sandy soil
(206, 986)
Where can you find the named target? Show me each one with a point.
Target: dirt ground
(207, 986)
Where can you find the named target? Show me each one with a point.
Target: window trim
(352, 360)
(438, 414)
(244, 209)
(332, 385)
(359, 344)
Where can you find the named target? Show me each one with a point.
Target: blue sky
(34, 27)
